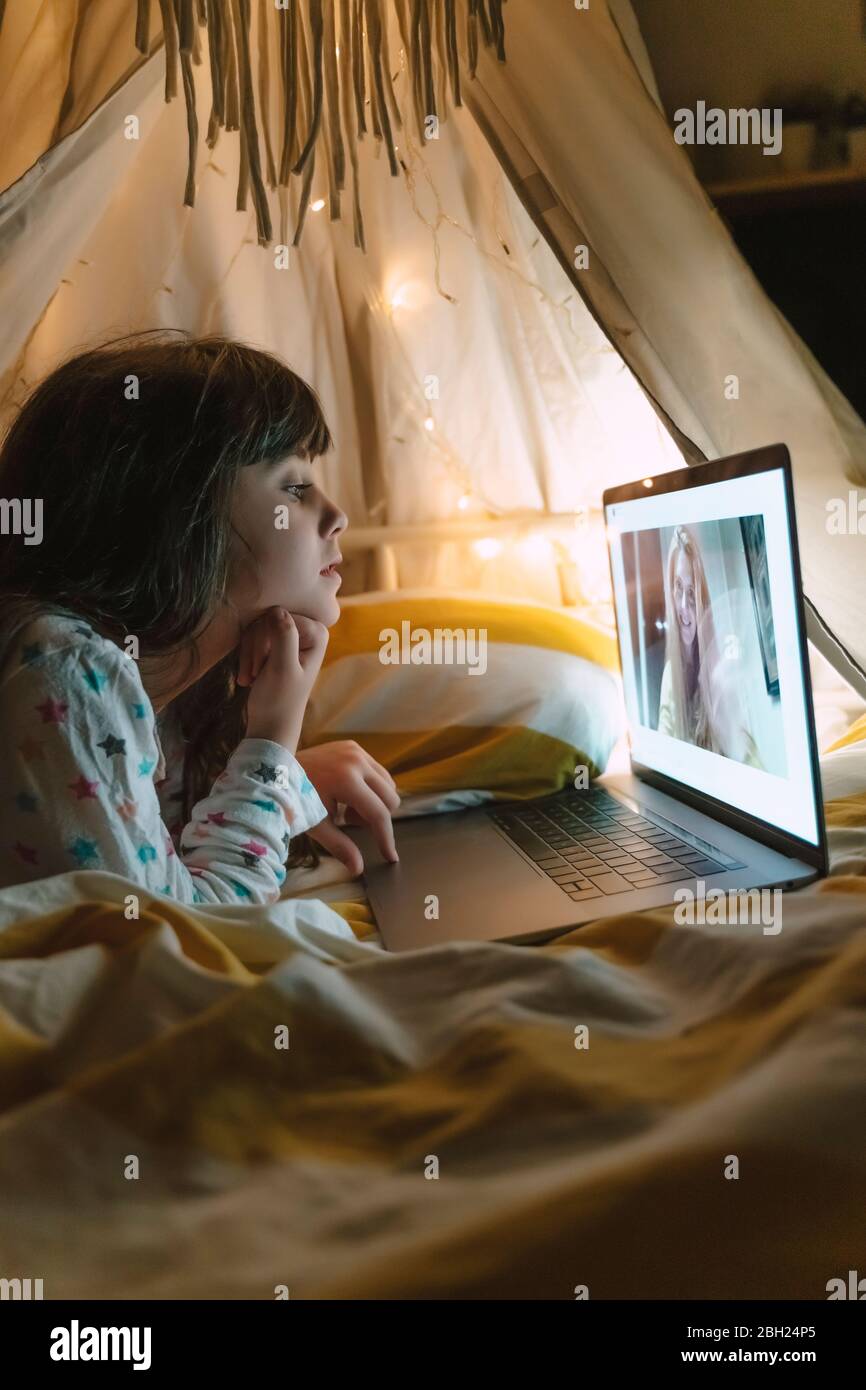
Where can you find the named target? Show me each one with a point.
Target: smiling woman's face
(684, 599)
(288, 561)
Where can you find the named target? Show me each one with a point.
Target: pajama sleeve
(82, 754)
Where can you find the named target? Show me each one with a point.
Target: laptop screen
(707, 612)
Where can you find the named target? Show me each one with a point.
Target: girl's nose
(339, 523)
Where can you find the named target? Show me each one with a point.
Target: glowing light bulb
(405, 292)
(647, 482)
(429, 423)
(535, 549)
(487, 548)
(464, 501)
(317, 205)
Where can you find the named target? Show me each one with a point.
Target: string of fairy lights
(471, 499)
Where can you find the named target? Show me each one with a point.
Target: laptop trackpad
(457, 880)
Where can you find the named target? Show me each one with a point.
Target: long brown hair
(691, 718)
(134, 447)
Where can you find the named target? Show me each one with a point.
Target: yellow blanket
(197, 1104)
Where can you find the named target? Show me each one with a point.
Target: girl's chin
(327, 611)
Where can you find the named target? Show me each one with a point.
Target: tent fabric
(323, 52)
(674, 306)
(290, 76)
(59, 60)
(534, 409)
(668, 283)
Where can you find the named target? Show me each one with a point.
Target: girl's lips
(331, 572)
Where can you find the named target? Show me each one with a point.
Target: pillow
(843, 777)
(529, 694)
(855, 734)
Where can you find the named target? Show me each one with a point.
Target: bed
(208, 1102)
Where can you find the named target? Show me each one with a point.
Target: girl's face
(293, 531)
(684, 599)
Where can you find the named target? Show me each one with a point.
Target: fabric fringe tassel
(320, 95)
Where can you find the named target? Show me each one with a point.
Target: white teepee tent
(425, 278)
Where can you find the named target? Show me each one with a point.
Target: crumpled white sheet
(200, 1225)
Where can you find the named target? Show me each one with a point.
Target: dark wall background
(806, 240)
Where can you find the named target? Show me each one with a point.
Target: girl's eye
(296, 489)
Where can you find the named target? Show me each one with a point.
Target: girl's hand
(345, 772)
(280, 656)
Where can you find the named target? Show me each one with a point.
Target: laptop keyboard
(592, 845)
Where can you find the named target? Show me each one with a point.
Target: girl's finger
(375, 813)
(282, 644)
(255, 646)
(378, 768)
(384, 789)
(261, 652)
(334, 842)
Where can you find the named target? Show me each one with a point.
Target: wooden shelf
(806, 188)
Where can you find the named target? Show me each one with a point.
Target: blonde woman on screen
(698, 702)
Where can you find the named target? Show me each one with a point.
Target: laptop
(724, 787)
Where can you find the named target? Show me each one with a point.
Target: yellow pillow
(855, 734)
(464, 697)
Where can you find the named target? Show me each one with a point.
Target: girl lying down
(160, 639)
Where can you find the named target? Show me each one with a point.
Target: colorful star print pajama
(85, 781)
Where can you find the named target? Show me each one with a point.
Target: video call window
(703, 638)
